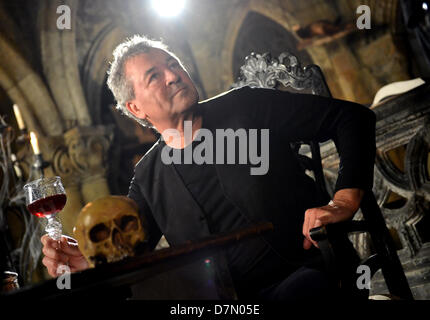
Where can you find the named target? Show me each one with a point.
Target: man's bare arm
(344, 205)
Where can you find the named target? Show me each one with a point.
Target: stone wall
(356, 65)
(57, 77)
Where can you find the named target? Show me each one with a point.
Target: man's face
(163, 89)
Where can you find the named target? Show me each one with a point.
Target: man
(190, 201)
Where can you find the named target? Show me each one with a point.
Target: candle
(18, 117)
(34, 143)
(16, 167)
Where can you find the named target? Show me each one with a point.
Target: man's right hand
(65, 252)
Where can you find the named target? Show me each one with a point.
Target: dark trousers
(305, 283)
(312, 281)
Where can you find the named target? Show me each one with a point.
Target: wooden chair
(286, 73)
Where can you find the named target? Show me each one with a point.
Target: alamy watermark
(363, 281)
(222, 147)
(64, 21)
(364, 20)
(64, 278)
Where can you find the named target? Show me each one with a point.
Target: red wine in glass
(46, 206)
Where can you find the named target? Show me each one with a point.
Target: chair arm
(331, 230)
(318, 234)
(330, 239)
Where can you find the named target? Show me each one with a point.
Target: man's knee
(305, 283)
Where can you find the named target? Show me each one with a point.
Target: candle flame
(34, 143)
(18, 116)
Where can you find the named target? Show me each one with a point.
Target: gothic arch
(260, 34)
(96, 65)
(60, 64)
(26, 88)
(240, 13)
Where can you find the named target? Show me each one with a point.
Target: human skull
(109, 229)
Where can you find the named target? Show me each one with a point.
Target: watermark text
(227, 146)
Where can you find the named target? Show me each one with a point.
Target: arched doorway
(260, 34)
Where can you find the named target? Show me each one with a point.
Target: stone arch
(280, 17)
(26, 88)
(260, 34)
(96, 65)
(60, 64)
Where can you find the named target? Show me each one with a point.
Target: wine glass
(45, 197)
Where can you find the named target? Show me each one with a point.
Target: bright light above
(168, 8)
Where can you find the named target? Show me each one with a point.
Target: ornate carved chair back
(286, 73)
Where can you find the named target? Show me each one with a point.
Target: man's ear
(135, 110)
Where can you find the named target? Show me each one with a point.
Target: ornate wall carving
(80, 158)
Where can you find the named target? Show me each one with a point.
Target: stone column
(80, 160)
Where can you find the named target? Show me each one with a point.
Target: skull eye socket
(127, 223)
(99, 232)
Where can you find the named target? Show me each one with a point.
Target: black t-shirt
(253, 263)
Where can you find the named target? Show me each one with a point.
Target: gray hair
(121, 87)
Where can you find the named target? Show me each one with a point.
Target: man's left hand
(344, 205)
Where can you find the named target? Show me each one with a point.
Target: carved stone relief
(79, 158)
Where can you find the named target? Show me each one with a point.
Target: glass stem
(54, 228)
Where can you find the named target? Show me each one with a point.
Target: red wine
(46, 206)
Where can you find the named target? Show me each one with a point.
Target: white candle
(16, 167)
(34, 143)
(18, 116)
